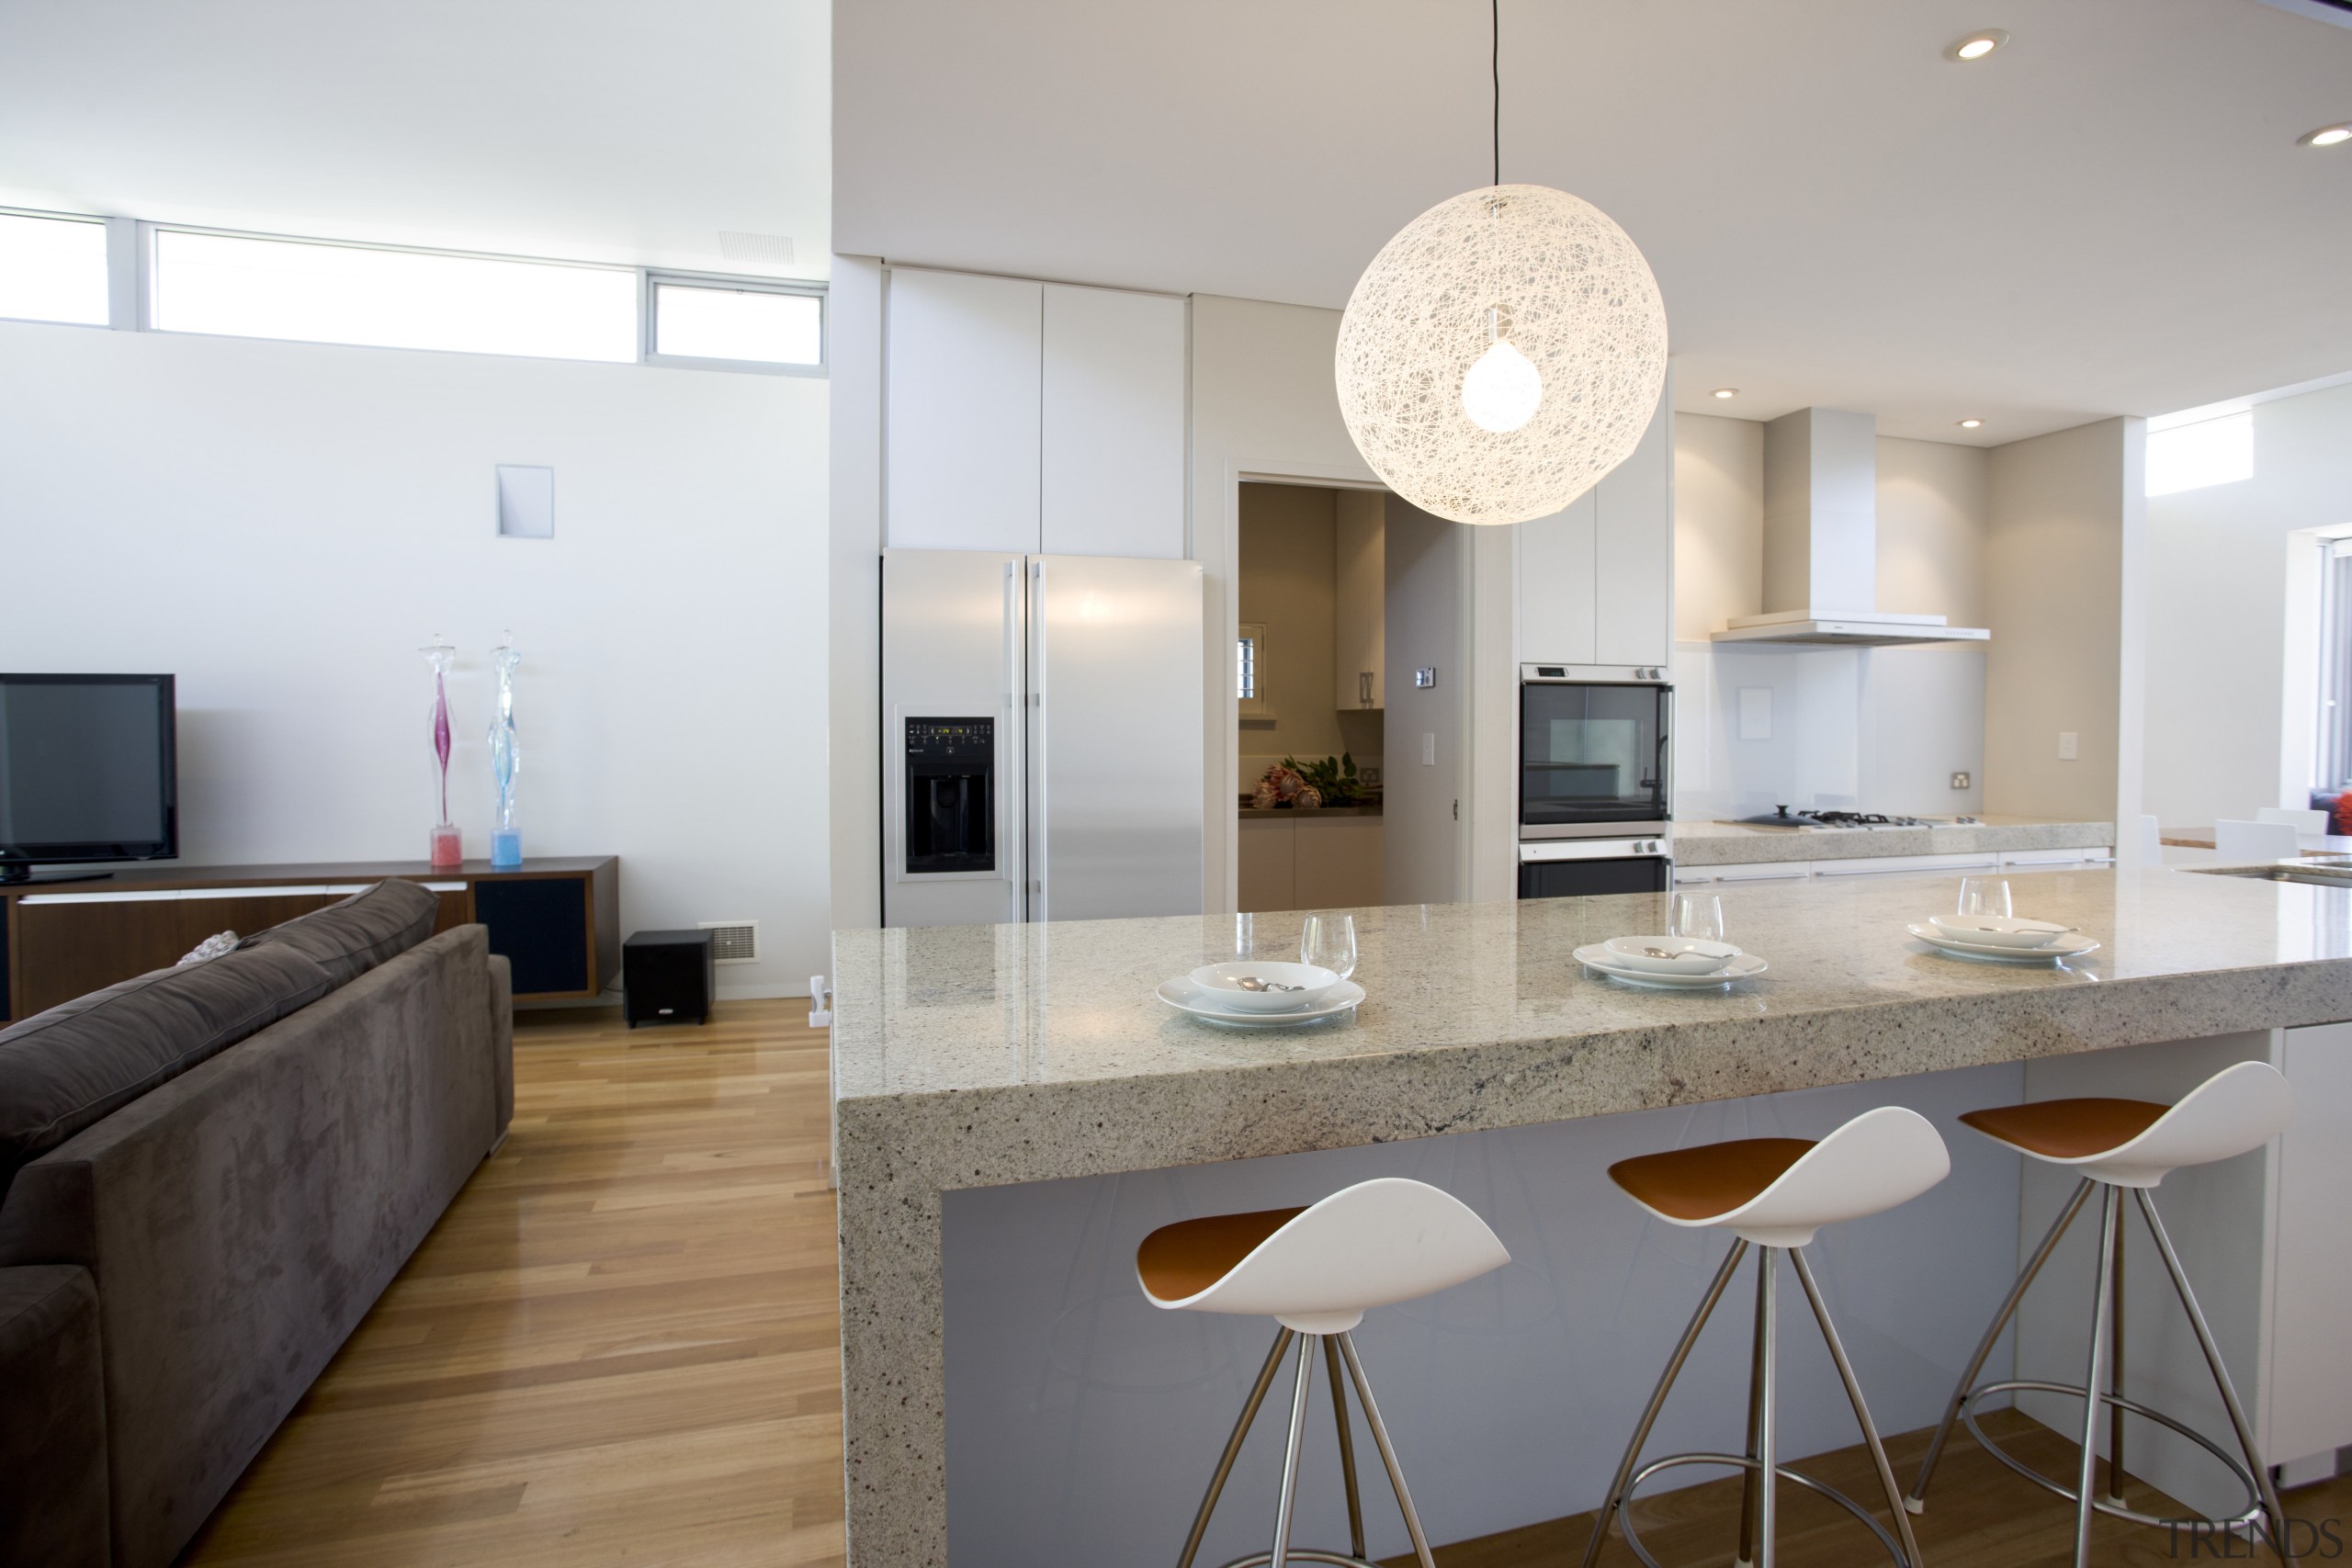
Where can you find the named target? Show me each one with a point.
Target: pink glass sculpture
(448, 846)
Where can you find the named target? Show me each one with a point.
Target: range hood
(1821, 541)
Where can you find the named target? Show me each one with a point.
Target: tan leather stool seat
(2067, 1129)
(1699, 1183)
(1185, 1259)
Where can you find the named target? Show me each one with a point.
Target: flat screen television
(89, 770)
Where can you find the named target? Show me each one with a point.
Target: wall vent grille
(760, 250)
(733, 941)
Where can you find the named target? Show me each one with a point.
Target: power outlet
(1960, 781)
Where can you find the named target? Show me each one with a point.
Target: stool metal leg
(1862, 1412)
(1747, 1481)
(1347, 1445)
(1387, 1450)
(2279, 1539)
(1282, 1338)
(1609, 1505)
(1768, 1469)
(1917, 1502)
(2115, 1379)
(1290, 1457)
(2110, 1211)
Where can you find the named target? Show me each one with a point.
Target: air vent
(757, 249)
(733, 941)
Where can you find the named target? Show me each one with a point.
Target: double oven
(1595, 780)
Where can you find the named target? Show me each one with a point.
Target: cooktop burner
(1782, 816)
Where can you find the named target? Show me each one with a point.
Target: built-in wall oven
(1595, 780)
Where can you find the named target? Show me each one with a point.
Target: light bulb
(1502, 390)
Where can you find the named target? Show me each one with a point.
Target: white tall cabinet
(1032, 417)
(1596, 582)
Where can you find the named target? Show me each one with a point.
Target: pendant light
(1503, 351)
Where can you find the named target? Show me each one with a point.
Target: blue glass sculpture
(505, 762)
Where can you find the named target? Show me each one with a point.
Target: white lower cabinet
(1308, 860)
(2307, 1396)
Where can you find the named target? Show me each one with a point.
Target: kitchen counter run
(970, 1056)
(1733, 843)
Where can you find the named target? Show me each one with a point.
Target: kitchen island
(995, 1084)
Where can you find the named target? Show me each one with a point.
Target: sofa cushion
(348, 939)
(69, 1067)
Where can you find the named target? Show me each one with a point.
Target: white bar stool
(1315, 1272)
(1774, 1194)
(2126, 1145)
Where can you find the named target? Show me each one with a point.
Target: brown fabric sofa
(174, 1273)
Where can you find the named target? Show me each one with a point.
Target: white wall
(2229, 693)
(2063, 563)
(1883, 730)
(282, 526)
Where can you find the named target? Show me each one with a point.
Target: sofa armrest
(53, 1442)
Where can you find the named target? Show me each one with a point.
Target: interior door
(1114, 738)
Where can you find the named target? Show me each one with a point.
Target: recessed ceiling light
(2326, 136)
(1727, 391)
(1970, 424)
(1976, 45)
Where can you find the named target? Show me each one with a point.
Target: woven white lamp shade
(1556, 280)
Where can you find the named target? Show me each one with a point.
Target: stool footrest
(1741, 1461)
(1301, 1555)
(2244, 1478)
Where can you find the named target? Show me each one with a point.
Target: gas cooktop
(1782, 816)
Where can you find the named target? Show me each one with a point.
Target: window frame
(1254, 634)
(649, 324)
(131, 281)
(113, 305)
(2332, 749)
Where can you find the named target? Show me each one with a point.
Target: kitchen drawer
(1908, 865)
(1768, 871)
(2030, 860)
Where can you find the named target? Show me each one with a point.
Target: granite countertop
(981, 1056)
(1736, 843)
(1247, 812)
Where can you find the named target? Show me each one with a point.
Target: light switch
(1429, 749)
(2066, 746)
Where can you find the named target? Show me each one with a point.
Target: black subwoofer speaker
(666, 977)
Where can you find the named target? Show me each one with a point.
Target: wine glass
(1696, 917)
(1329, 942)
(1984, 896)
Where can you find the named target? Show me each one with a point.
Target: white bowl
(1223, 981)
(1689, 955)
(1999, 930)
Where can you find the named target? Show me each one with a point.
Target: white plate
(1599, 958)
(1958, 949)
(2001, 930)
(1689, 956)
(1313, 982)
(1210, 1008)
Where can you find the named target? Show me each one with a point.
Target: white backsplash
(1844, 728)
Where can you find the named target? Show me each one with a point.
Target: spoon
(1251, 983)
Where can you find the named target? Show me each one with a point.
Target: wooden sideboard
(557, 921)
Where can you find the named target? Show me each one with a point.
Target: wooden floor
(621, 1346)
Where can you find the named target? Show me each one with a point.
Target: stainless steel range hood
(1821, 541)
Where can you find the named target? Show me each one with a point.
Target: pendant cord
(1496, 33)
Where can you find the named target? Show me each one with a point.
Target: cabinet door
(1337, 861)
(1265, 863)
(1359, 619)
(962, 424)
(1634, 550)
(2310, 1358)
(1555, 587)
(1113, 424)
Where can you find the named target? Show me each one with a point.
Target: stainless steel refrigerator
(1041, 752)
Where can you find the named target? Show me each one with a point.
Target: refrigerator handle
(1011, 807)
(1037, 837)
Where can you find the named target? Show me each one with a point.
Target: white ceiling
(587, 130)
(2109, 216)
